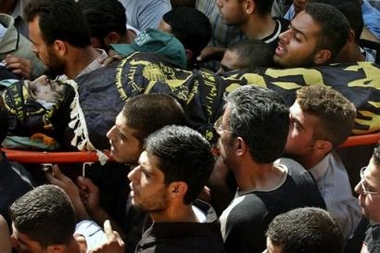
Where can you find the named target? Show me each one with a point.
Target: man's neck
(310, 161)
(258, 176)
(350, 53)
(258, 27)
(175, 213)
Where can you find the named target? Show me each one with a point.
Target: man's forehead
(120, 120)
(18, 235)
(373, 172)
(305, 24)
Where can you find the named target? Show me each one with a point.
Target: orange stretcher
(23, 156)
(361, 140)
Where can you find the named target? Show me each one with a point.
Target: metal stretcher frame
(23, 156)
(36, 157)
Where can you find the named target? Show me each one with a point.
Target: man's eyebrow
(297, 121)
(291, 26)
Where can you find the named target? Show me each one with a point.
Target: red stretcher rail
(23, 156)
(361, 140)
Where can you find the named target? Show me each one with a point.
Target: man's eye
(121, 136)
(297, 37)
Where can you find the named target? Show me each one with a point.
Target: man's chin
(278, 61)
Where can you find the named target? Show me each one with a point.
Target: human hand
(114, 243)
(18, 65)
(211, 53)
(112, 56)
(89, 193)
(56, 177)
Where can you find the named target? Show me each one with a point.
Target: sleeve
(152, 14)
(245, 226)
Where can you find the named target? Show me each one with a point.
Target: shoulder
(246, 209)
(293, 167)
(301, 183)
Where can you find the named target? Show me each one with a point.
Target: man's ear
(351, 36)
(112, 38)
(322, 56)
(189, 54)
(250, 6)
(177, 189)
(322, 147)
(60, 47)
(56, 248)
(241, 146)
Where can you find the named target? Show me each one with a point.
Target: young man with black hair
(172, 171)
(315, 37)
(306, 229)
(140, 116)
(107, 21)
(191, 27)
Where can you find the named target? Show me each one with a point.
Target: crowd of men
(270, 181)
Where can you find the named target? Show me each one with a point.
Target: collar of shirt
(320, 168)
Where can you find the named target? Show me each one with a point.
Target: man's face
(370, 203)
(125, 147)
(232, 11)
(229, 62)
(300, 142)
(23, 244)
(271, 248)
(148, 190)
(165, 27)
(226, 140)
(44, 52)
(44, 88)
(297, 47)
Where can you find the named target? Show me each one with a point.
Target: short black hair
(353, 12)
(183, 154)
(263, 7)
(306, 230)
(45, 214)
(104, 16)
(253, 53)
(335, 27)
(146, 113)
(190, 26)
(59, 20)
(260, 117)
